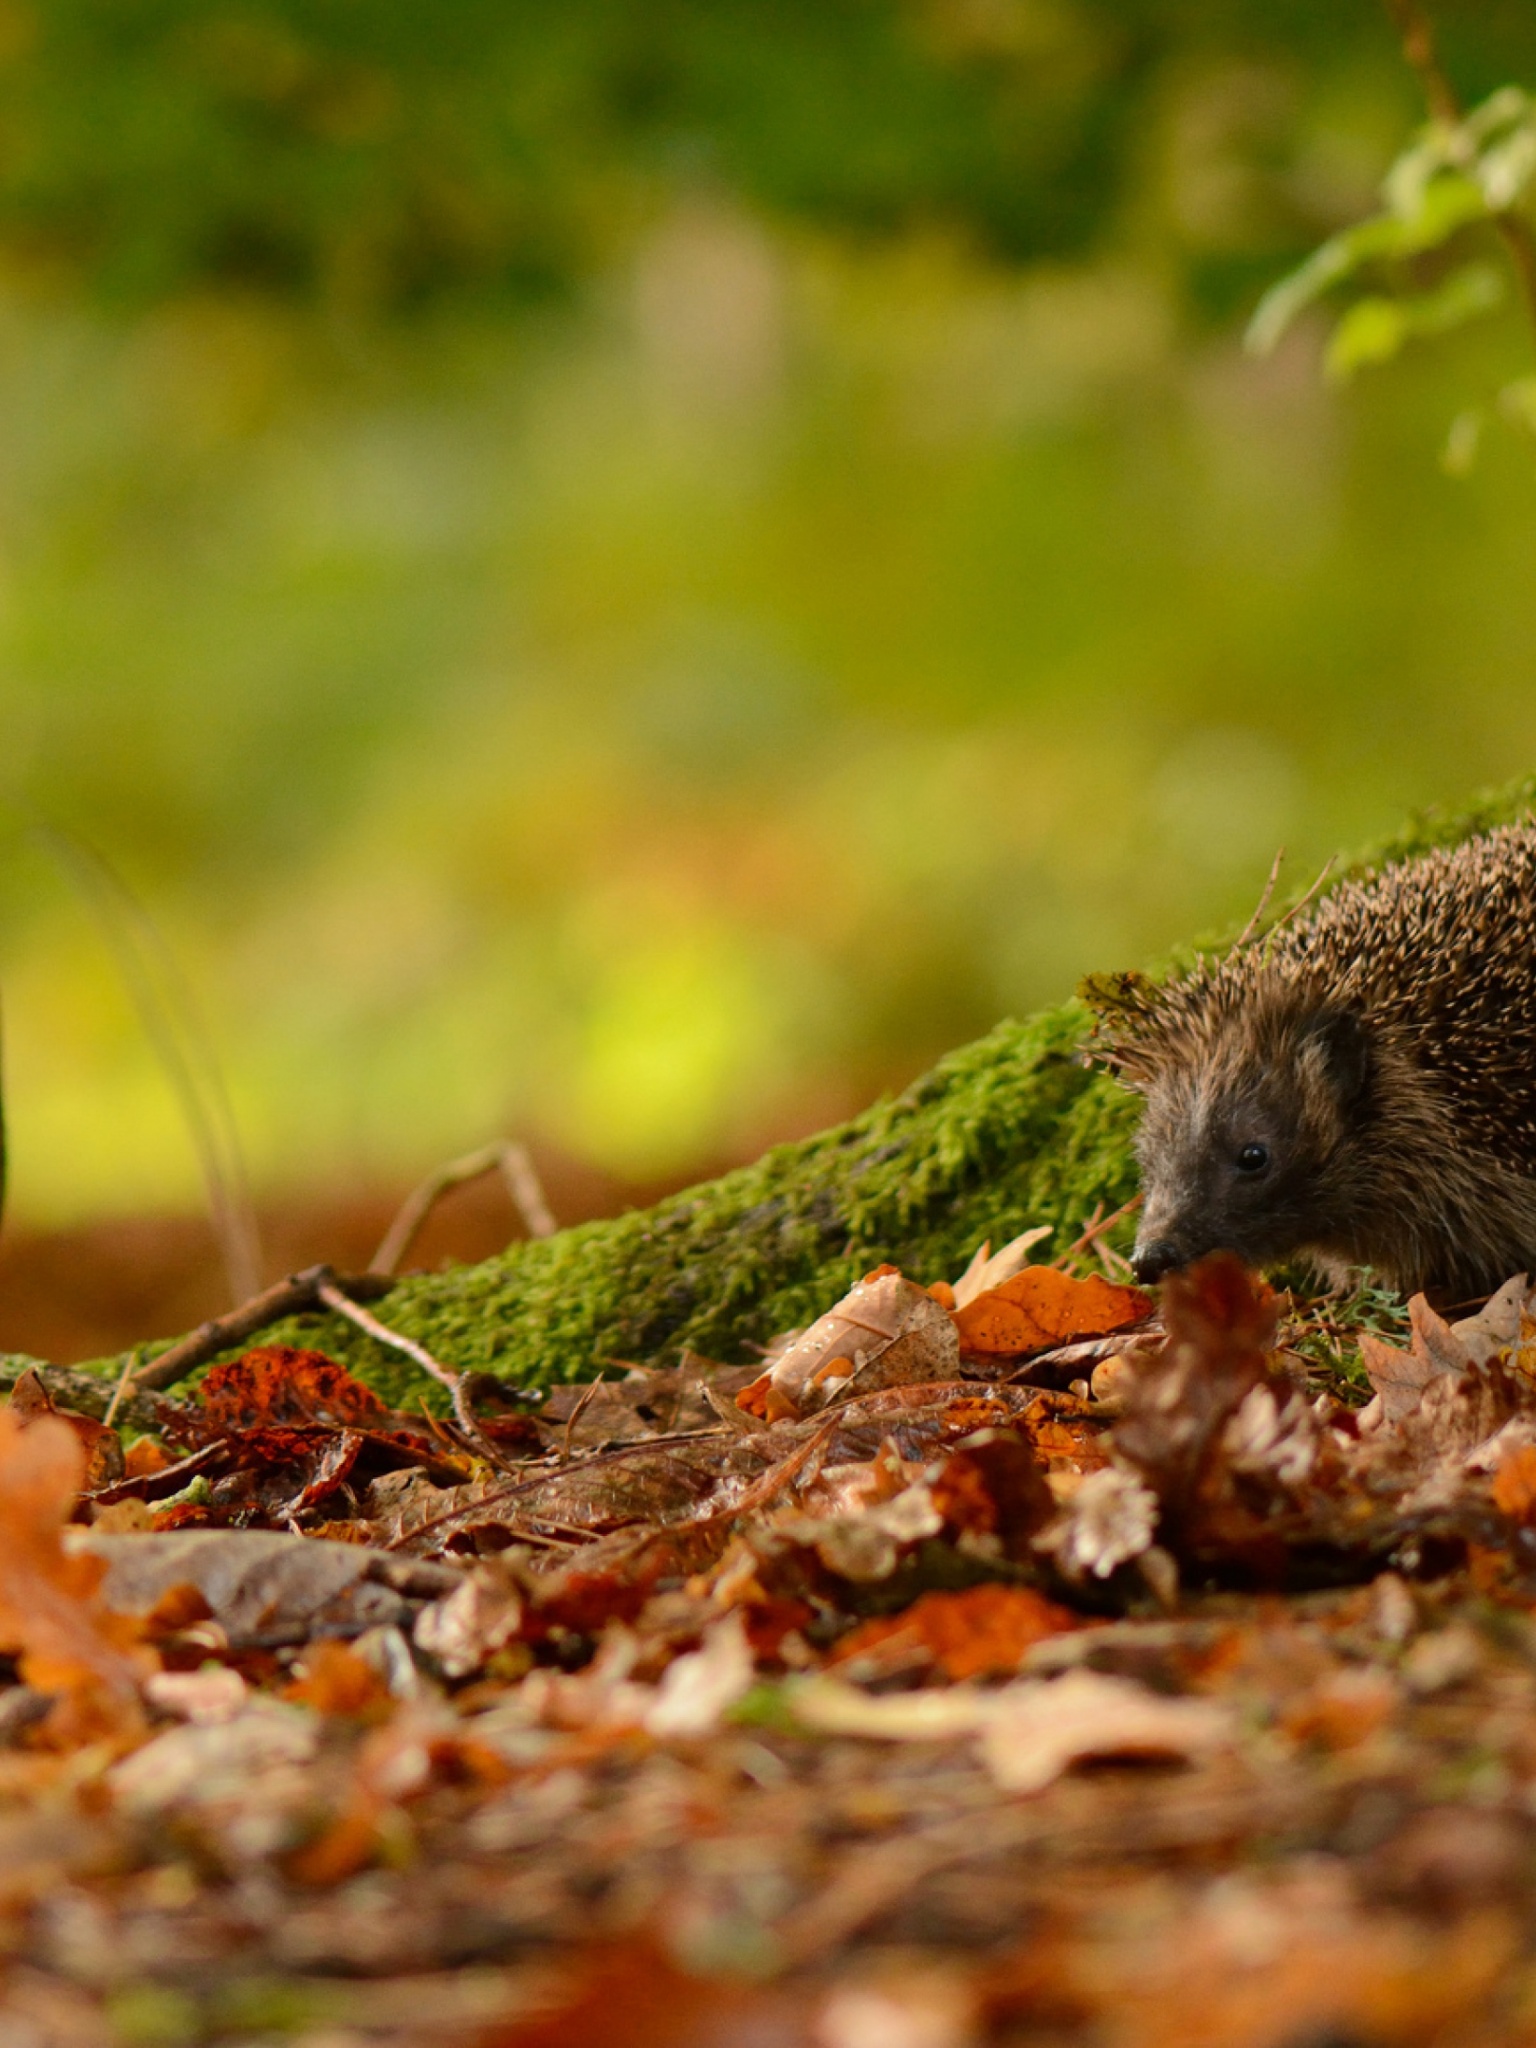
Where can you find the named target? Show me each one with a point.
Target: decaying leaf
(260, 1586)
(886, 1331)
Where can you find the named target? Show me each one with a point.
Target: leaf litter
(1016, 1660)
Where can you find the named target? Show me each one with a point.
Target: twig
(124, 1381)
(1262, 905)
(1095, 1227)
(331, 1295)
(515, 1164)
(169, 1479)
(1299, 905)
(288, 1297)
(1416, 33)
(584, 1402)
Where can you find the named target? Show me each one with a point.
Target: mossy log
(1011, 1131)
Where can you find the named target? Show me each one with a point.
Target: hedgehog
(1355, 1088)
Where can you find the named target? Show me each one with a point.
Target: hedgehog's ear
(1336, 1046)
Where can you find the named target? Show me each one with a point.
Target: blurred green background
(629, 573)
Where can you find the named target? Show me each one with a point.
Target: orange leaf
(277, 1385)
(334, 1680)
(970, 1634)
(1041, 1307)
(51, 1614)
(1514, 1486)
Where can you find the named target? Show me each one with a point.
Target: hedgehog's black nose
(1151, 1261)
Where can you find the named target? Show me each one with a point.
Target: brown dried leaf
(1221, 1326)
(885, 1332)
(30, 1401)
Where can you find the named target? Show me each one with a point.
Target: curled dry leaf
(1109, 1519)
(989, 1269)
(31, 1401)
(885, 1332)
(466, 1628)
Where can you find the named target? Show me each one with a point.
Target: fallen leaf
(278, 1384)
(52, 1612)
(1040, 1731)
(696, 1690)
(1042, 1307)
(1514, 1484)
(30, 1401)
(886, 1331)
(980, 1632)
(261, 1586)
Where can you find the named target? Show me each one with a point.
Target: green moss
(1010, 1131)
(1007, 1132)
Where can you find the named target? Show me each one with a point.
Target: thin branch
(1416, 33)
(1262, 905)
(124, 1383)
(1298, 906)
(515, 1164)
(583, 1403)
(1094, 1228)
(287, 1298)
(330, 1294)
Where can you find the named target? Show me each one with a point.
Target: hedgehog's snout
(1149, 1262)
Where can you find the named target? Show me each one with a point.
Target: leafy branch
(1462, 172)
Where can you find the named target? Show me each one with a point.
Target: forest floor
(1011, 1659)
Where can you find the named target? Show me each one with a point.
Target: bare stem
(522, 1183)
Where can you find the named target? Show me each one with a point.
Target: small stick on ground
(1095, 1227)
(515, 1164)
(582, 1405)
(288, 1297)
(331, 1295)
(124, 1381)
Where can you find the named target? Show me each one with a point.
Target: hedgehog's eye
(1253, 1159)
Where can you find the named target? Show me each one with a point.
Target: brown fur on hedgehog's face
(1242, 1147)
